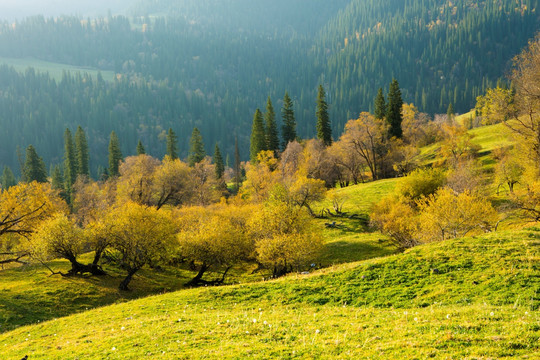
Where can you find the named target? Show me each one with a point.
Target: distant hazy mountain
(19, 9)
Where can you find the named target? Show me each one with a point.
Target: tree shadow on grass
(29, 294)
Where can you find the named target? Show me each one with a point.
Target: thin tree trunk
(197, 279)
(124, 284)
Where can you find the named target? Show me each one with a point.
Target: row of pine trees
(264, 136)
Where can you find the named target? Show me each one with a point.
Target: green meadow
(55, 70)
(465, 298)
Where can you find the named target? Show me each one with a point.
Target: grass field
(466, 298)
(55, 70)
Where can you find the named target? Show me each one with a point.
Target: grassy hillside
(488, 138)
(55, 70)
(466, 298)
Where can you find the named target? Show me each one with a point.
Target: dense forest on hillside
(211, 63)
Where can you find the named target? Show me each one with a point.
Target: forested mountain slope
(211, 63)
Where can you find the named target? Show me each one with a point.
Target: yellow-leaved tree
(394, 216)
(140, 236)
(60, 237)
(285, 237)
(261, 177)
(22, 208)
(445, 215)
(214, 237)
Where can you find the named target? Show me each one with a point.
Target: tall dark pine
(140, 148)
(82, 153)
(272, 136)
(8, 178)
(394, 115)
(70, 162)
(57, 179)
(115, 155)
(380, 105)
(218, 161)
(324, 130)
(289, 122)
(172, 144)
(237, 175)
(34, 167)
(258, 137)
(450, 113)
(196, 148)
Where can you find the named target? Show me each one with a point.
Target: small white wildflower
(254, 320)
(415, 319)
(405, 313)
(264, 322)
(247, 332)
(448, 316)
(113, 348)
(122, 328)
(491, 313)
(317, 331)
(227, 321)
(179, 320)
(219, 323)
(526, 313)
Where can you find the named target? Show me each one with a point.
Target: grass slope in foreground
(466, 298)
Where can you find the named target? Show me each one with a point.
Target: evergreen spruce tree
(258, 138)
(218, 161)
(102, 173)
(236, 166)
(272, 136)
(196, 148)
(289, 122)
(324, 130)
(81, 152)
(8, 179)
(115, 155)
(450, 113)
(140, 148)
(380, 105)
(34, 167)
(394, 115)
(172, 144)
(70, 162)
(57, 179)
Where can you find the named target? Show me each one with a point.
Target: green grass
(481, 302)
(352, 239)
(488, 138)
(55, 70)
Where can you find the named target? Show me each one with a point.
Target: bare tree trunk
(124, 284)
(198, 278)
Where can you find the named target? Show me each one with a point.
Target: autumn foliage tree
(22, 209)
(214, 238)
(140, 236)
(60, 237)
(285, 237)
